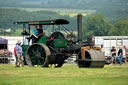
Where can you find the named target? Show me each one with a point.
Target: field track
(67, 75)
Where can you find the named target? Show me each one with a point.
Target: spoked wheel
(37, 54)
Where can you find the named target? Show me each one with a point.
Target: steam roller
(57, 47)
(91, 57)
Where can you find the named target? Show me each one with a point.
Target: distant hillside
(77, 4)
(112, 9)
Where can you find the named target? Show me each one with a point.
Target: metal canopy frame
(44, 22)
(27, 25)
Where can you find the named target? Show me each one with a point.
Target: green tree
(120, 27)
(96, 26)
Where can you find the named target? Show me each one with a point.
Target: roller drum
(93, 59)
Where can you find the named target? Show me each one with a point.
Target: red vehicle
(5, 52)
(5, 55)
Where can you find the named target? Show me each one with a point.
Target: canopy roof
(44, 22)
(3, 41)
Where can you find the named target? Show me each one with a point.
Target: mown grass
(67, 75)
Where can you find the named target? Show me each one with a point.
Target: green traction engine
(57, 47)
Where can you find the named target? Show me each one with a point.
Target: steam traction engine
(56, 48)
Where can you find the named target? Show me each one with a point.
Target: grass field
(67, 75)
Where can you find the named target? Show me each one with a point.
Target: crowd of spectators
(117, 56)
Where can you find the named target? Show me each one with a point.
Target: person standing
(113, 52)
(120, 55)
(15, 55)
(19, 54)
(126, 53)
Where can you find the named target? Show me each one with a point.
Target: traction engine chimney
(79, 22)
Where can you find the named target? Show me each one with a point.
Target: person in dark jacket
(40, 32)
(120, 55)
(113, 52)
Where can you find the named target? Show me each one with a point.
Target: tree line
(97, 25)
(94, 25)
(112, 9)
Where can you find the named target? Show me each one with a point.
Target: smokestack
(79, 22)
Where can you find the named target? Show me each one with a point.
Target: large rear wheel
(37, 54)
